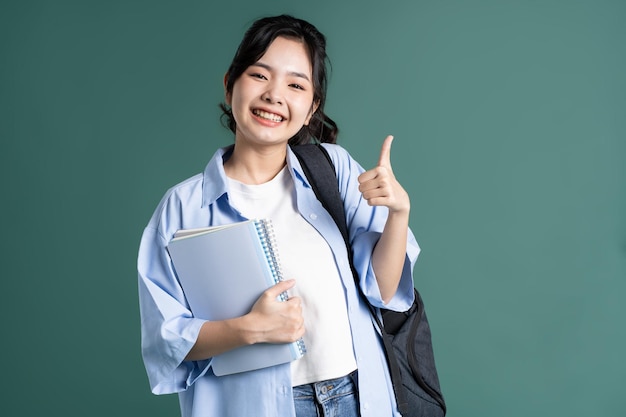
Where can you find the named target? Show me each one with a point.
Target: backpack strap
(320, 171)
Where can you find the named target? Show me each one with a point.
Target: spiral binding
(265, 229)
(301, 347)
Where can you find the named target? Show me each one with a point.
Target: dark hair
(256, 40)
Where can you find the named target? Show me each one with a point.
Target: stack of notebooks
(223, 270)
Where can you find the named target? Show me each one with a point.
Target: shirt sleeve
(365, 224)
(168, 328)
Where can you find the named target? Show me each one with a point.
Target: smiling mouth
(268, 116)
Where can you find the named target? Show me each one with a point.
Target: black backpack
(406, 335)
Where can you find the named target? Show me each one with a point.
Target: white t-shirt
(306, 257)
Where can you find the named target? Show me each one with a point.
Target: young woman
(275, 92)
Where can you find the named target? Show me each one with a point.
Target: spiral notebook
(223, 270)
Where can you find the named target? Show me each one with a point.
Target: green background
(509, 119)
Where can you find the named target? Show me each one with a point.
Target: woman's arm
(269, 321)
(380, 188)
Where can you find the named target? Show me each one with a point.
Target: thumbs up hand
(380, 187)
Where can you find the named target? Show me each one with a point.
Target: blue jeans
(333, 398)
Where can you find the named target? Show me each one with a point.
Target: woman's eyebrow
(292, 73)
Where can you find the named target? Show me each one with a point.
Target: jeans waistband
(324, 390)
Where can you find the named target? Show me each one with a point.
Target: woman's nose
(273, 95)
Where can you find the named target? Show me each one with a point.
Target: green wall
(509, 119)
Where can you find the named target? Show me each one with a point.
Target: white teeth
(269, 116)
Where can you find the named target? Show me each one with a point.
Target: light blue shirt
(169, 329)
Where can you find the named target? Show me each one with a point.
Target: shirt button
(313, 216)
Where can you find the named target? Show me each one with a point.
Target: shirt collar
(215, 183)
(296, 169)
(214, 178)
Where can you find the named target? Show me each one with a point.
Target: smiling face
(273, 98)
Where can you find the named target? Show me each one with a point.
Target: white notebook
(223, 270)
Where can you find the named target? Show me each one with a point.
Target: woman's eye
(297, 86)
(259, 76)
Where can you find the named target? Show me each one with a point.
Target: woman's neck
(255, 166)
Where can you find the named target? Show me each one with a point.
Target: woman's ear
(227, 95)
(314, 107)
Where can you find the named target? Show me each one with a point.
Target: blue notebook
(223, 270)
